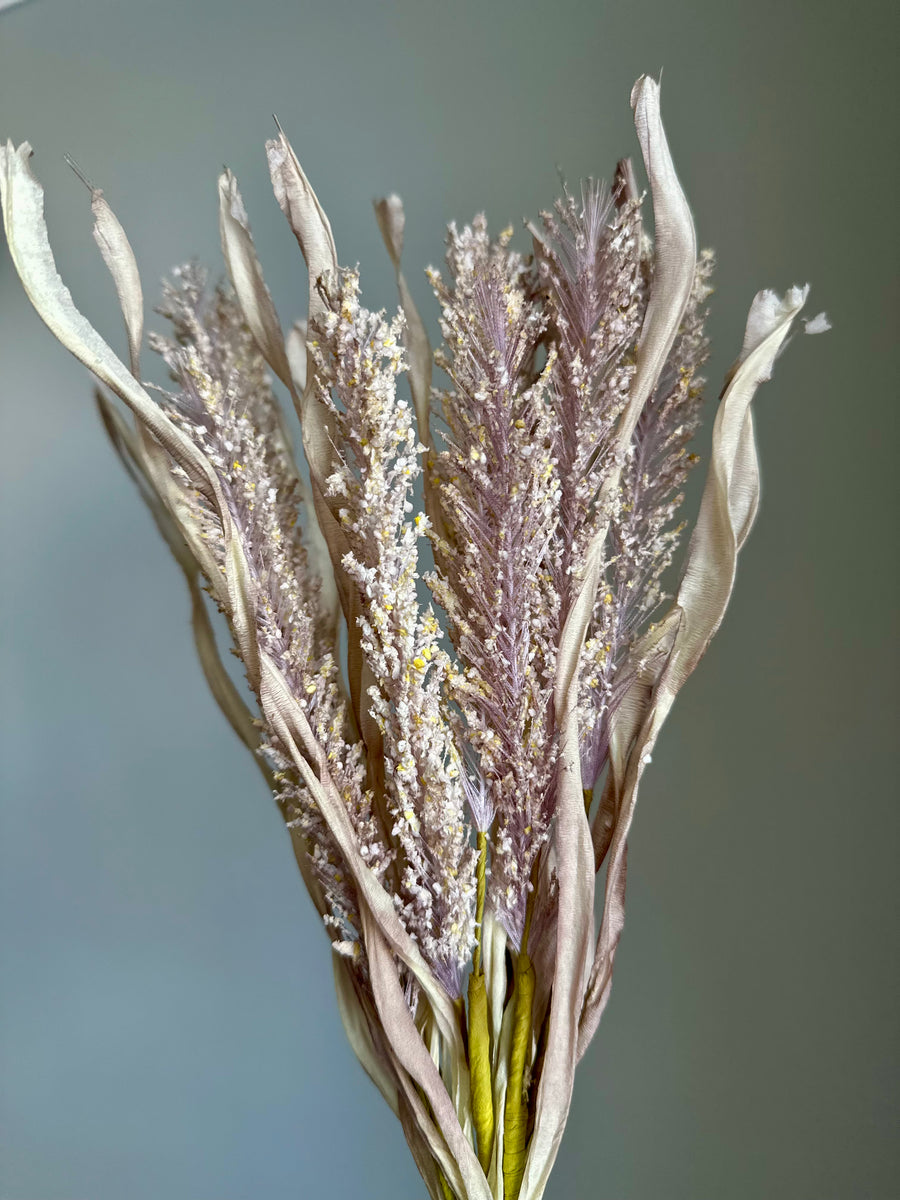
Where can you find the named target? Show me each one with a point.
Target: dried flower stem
(551, 487)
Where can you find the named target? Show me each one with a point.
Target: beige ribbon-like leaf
(729, 504)
(674, 271)
(643, 666)
(310, 226)
(132, 453)
(462, 1168)
(259, 312)
(358, 1033)
(26, 233)
(674, 264)
(289, 723)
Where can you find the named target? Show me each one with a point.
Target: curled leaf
(673, 275)
(289, 722)
(729, 504)
(307, 219)
(136, 455)
(675, 255)
(26, 234)
(463, 1169)
(359, 1035)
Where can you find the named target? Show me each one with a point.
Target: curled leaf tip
(391, 221)
(644, 86)
(769, 312)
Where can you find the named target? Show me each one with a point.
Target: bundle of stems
(454, 771)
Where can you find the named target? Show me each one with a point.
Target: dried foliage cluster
(441, 782)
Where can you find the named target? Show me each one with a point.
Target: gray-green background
(168, 1027)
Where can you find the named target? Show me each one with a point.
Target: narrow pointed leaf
(288, 720)
(307, 219)
(358, 1034)
(467, 1177)
(674, 270)
(246, 276)
(305, 214)
(675, 255)
(259, 312)
(133, 453)
(119, 258)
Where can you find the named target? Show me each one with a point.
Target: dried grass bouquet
(453, 775)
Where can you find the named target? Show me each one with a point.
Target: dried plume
(453, 780)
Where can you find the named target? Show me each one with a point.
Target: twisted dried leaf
(288, 720)
(729, 504)
(132, 452)
(674, 270)
(359, 1035)
(462, 1168)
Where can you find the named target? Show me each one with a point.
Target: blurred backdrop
(168, 1027)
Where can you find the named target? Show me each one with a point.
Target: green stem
(515, 1117)
(479, 1036)
(480, 876)
(480, 1070)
